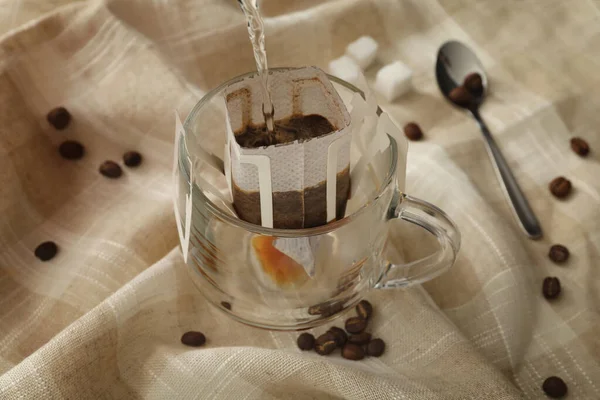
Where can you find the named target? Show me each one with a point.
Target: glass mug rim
(319, 230)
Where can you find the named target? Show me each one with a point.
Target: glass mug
(235, 266)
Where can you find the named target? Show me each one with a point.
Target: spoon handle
(509, 184)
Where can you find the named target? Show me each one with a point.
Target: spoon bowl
(455, 62)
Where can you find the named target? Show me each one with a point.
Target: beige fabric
(104, 318)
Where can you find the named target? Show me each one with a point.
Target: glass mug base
(239, 270)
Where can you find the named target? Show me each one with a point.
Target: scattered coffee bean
(353, 352)
(551, 287)
(326, 309)
(558, 253)
(325, 344)
(473, 83)
(340, 335)
(360, 338)
(413, 131)
(560, 187)
(132, 158)
(333, 309)
(460, 96)
(580, 146)
(46, 251)
(306, 341)
(364, 309)
(71, 150)
(356, 324)
(194, 339)
(59, 118)
(554, 387)
(110, 169)
(376, 347)
(226, 305)
(354, 346)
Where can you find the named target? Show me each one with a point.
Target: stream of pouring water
(257, 38)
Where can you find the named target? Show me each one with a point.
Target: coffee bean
(71, 150)
(376, 347)
(473, 83)
(554, 387)
(558, 253)
(226, 305)
(460, 96)
(364, 309)
(360, 338)
(194, 339)
(551, 287)
(353, 352)
(580, 146)
(560, 187)
(325, 344)
(110, 169)
(59, 118)
(326, 309)
(46, 251)
(306, 341)
(413, 131)
(356, 324)
(333, 309)
(132, 158)
(340, 335)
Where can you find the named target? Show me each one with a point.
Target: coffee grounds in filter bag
(309, 116)
(296, 127)
(291, 209)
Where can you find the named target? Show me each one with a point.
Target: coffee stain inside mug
(283, 270)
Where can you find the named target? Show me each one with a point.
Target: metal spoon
(454, 62)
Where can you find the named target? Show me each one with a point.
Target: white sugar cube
(393, 80)
(363, 51)
(345, 68)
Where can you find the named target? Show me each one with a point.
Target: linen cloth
(104, 318)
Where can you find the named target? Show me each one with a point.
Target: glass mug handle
(428, 217)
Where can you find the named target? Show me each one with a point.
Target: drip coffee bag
(298, 175)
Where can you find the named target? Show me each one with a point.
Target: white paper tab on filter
(263, 166)
(370, 150)
(182, 229)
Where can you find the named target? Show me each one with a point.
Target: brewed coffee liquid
(293, 209)
(296, 127)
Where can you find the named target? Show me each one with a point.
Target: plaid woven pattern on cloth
(103, 318)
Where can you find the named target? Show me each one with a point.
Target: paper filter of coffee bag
(294, 185)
